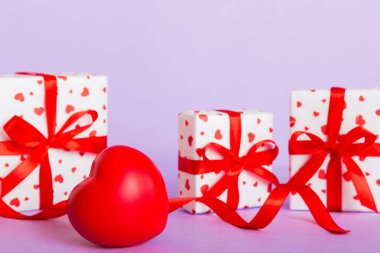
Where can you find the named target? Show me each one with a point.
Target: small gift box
(226, 154)
(333, 147)
(52, 127)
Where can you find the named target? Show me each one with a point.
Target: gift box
(226, 154)
(333, 145)
(51, 128)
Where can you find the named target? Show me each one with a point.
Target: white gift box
(309, 113)
(24, 96)
(197, 129)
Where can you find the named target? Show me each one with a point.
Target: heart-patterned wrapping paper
(23, 95)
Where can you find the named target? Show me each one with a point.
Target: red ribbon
(277, 197)
(341, 148)
(33, 143)
(231, 163)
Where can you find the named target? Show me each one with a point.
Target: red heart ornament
(124, 201)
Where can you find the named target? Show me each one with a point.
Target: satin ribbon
(261, 154)
(340, 148)
(25, 139)
(276, 198)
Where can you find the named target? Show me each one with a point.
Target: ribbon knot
(233, 165)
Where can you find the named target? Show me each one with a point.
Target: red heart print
(190, 140)
(104, 107)
(36, 186)
(203, 117)
(378, 181)
(58, 179)
(186, 123)
(306, 128)
(322, 174)
(85, 92)
(312, 90)
(73, 169)
(15, 202)
(316, 114)
(323, 191)
(346, 176)
(270, 130)
(199, 152)
(187, 184)
(104, 89)
(92, 133)
(256, 184)
(377, 112)
(26, 199)
(361, 99)
(20, 97)
(202, 133)
(360, 120)
(324, 129)
(38, 110)
(69, 108)
(292, 121)
(299, 103)
(204, 189)
(258, 121)
(324, 100)
(39, 82)
(251, 137)
(218, 135)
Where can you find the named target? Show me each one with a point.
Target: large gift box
(51, 128)
(333, 147)
(226, 154)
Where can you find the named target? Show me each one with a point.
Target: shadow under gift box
(309, 113)
(24, 95)
(196, 130)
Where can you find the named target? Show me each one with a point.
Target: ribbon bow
(341, 148)
(233, 165)
(26, 139)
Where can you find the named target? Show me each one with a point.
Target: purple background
(163, 57)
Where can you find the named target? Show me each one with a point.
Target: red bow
(36, 145)
(341, 148)
(231, 163)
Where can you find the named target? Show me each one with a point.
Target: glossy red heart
(124, 201)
